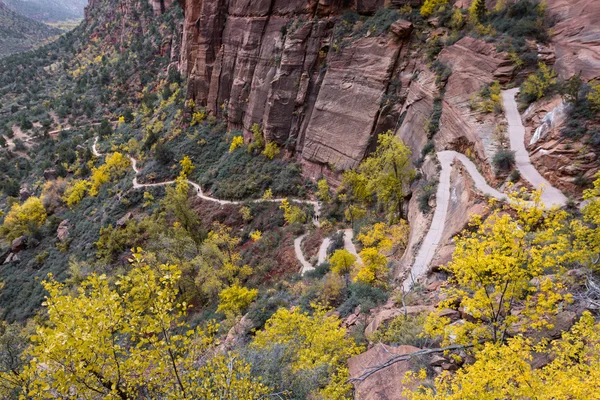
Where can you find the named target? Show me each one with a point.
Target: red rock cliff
(271, 62)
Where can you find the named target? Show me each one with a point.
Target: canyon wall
(275, 63)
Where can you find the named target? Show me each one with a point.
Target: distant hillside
(19, 33)
(49, 10)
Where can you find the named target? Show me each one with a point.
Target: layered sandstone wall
(273, 63)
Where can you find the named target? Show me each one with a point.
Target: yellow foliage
(115, 341)
(271, 150)
(385, 238)
(502, 262)
(385, 173)
(342, 262)
(268, 195)
(431, 6)
(594, 96)
(292, 214)
(537, 85)
(198, 117)
(311, 341)
(235, 299)
(489, 99)
(187, 166)
(323, 191)
(115, 166)
(236, 142)
(256, 235)
(504, 370)
(24, 219)
(374, 269)
(246, 213)
(75, 192)
(258, 141)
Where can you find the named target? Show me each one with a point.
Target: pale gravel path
(434, 235)
(306, 266)
(551, 196)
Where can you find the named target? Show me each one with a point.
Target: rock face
(576, 37)
(18, 244)
(385, 384)
(62, 232)
(563, 162)
(273, 63)
(474, 64)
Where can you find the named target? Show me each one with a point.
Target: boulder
(453, 315)
(124, 220)
(12, 258)
(385, 384)
(402, 29)
(50, 174)
(62, 232)
(437, 360)
(25, 193)
(563, 321)
(18, 244)
(8, 259)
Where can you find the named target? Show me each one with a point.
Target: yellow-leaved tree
(506, 371)
(386, 173)
(235, 299)
(24, 219)
(128, 340)
(292, 214)
(311, 343)
(115, 166)
(219, 264)
(379, 242)
(431, 6)
(537, 85)
(503, 263)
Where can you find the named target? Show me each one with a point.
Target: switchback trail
(306, 266)
(550, 196)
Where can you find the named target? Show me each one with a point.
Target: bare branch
(405, 357)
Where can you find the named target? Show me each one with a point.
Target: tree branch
(404, 357)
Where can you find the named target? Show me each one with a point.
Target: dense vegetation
(118, 283)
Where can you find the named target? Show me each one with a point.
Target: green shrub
(429, 190)
(504, 160)
(364, 295)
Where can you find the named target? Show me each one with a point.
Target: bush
(363, 295)
(429, 190)
(514, 176)
(380, 22)
(521, 19)
(539, 84)
(403, 330)
(504, 160)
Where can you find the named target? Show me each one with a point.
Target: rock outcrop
(385, 384)
(275, 63)
(564, 162)
(576, 37)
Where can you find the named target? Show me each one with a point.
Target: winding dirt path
(306, 266)
(551, 196)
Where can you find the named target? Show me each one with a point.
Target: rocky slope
(19, 33)
(49, 10)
